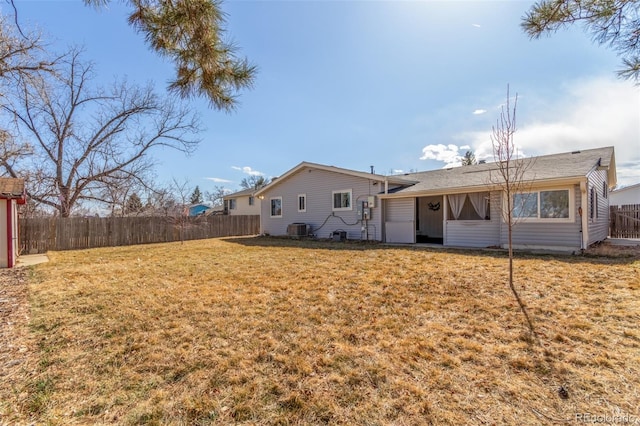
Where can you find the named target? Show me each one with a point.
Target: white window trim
(572, 207)
(252, 200)
(232, 204)
(305, 203)
(342, 191)
(270, 207)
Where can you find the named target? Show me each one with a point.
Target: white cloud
(448, 154)
(218, 180)
(476, 25)
(479, 111)
(248, 170)
(587, 114)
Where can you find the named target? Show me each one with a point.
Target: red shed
(12, 193)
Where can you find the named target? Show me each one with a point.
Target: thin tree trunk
(521, 304)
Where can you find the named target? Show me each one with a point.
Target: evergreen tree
(469, 159)
(196, 196)
(613, 23)
(191, 35)
(134, 205)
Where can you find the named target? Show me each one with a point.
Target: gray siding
(318, 186)
(598, 226)
(538, 234)
(399, 210)
(476, 233)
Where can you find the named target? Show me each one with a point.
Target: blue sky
(400, 85)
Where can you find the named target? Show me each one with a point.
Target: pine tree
(196, 196)
(469, 159)
(134, 205)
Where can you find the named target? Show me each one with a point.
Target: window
(544, 205)
(342, 200)
(232, 204)
(276, 207)
(593, 206)
(302, 202)
(251, 201)
(605, 190)
(471, 206)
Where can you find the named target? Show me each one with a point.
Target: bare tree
(254, 182)
(86, 139)
(180, 214)
(216, 196)
(510, 178)
(21, 56)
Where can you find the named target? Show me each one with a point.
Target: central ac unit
(297, 230)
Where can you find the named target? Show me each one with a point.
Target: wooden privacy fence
(41, 234)
(625, 221)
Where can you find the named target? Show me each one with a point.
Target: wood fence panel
(625, 221)
(38, 235)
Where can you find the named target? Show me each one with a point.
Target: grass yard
(270, 331)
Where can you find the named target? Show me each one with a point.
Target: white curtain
(479, 201)
(456, 202)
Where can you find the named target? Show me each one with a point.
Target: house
(198, 209)
(242, 203)
(327, 200)
(565, 205)
(624, 196)
(12, 193)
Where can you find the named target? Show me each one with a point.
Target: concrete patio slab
(31, 259)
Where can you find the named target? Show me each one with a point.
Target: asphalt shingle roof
(11, 187)
(544, 168)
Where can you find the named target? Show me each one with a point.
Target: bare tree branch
(86, 139)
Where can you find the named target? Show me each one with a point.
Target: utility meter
(364, 211)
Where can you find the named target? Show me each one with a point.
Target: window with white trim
(549, 205)
(232, 204)
(342, 199)
(593, 206)
(251, 201)
(302, 202)
(276, 207)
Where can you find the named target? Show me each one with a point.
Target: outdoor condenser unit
(297, 230)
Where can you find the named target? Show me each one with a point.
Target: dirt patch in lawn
(268, 331)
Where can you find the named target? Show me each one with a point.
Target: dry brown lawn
(269, 331)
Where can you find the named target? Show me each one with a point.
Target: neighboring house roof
(199, 208)
(544, 169)
(394, 179)
(624, 189)
(243, 193)
(11, 188)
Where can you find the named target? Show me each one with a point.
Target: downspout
(386, 185)
(584, 215)
(9, 234)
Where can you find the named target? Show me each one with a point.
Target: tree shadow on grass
(619, 258)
